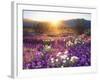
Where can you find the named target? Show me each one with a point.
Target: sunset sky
(53, 16)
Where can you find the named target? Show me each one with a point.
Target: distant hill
(79, 25)
(81, 22)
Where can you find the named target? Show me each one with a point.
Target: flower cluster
(70, 51)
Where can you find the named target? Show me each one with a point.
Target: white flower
(63, 56)
(52, 59)
(62, 66)
(66, 52)
(64, 61)
(58, 53)
(74, 58)
(67, 58)
(56, 60)
(48, 47)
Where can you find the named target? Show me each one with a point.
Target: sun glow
(55, 26)
(55, 23)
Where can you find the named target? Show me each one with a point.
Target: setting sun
(55, 23)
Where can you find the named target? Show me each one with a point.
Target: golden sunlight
(55, 23)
